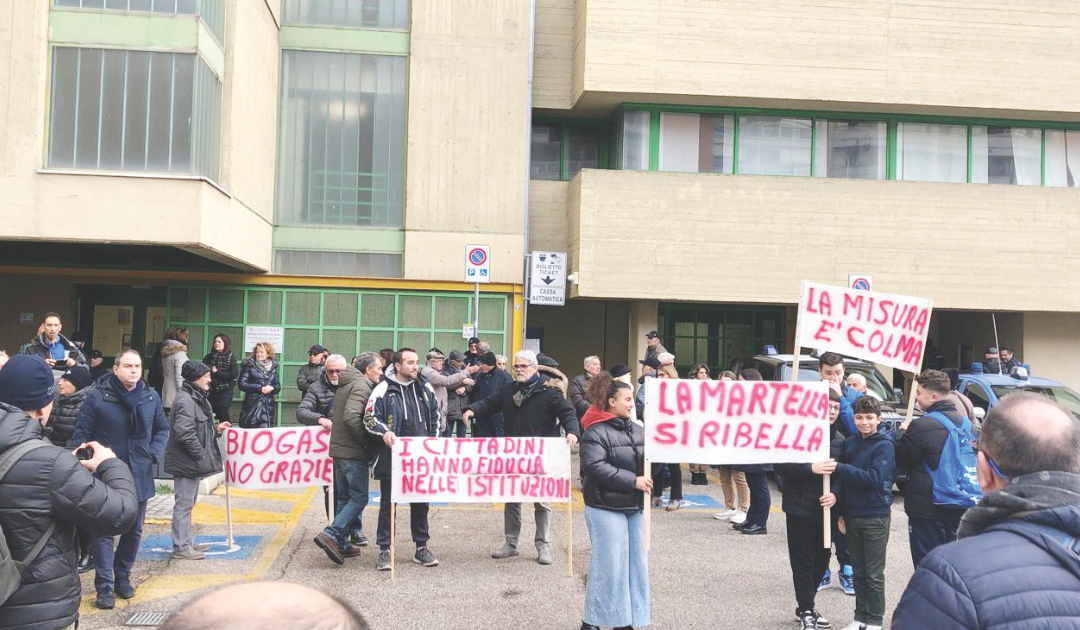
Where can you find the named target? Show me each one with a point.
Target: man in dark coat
(47, 492)
(309, 374)
(317, 407)
(57, 350)
(992, 362)
(404, 404)
(489, 381)
(533, 406)
(1012, 566)
(919, 443)
(124, 414)
(581, 383)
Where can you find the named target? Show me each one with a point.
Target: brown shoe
(350, 551)
(329, 545)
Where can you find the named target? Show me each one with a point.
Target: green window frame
(379, 319)
(892, 121)
(564, 128)
(717, 334)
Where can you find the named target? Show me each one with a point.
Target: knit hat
(488, 358)
(26, 382)
(473, 340)
(619, 369)
(78, 376)
(455, 355)
(193, 371)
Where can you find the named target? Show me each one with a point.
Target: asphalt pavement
(703, 574)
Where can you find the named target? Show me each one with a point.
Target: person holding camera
(45, 493)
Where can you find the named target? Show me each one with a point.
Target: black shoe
(86, 562)
(124, 588)
(625, 628)
(358, 539)
(741, 526)
(105, 599)
(589, 626)
(754, 530)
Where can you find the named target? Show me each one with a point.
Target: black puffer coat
(259, 409)
(612, 457)
(534, 409)
(46, 485)
(65, 410)
(224, 379)
(192, 451)
(318, 401)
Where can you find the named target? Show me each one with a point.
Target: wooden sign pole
(393, 531)
(646, 528)
(228, 518)
(826, 484)
(570, 538)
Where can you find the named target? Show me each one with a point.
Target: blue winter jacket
(1002, 578)
(847, 414)
(866, 476)
(138, 439)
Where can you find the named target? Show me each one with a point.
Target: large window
(559, 150)
(717, 335)
(697, 143)
(342, 148)
(351, 264)
(211, 12)
(774, 146)
(583, 148)
(129, 110)
(546, 152)
(383, 14)
(1063, 158)
(632, 151)
(1006, 155)
(850, 148)
(931, 153)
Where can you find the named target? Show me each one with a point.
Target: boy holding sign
(866, 476)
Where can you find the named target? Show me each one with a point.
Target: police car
(985, 390)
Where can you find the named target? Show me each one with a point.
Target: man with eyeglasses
(317, 408)
(1015, 564)
(919, 443)
(532, 406)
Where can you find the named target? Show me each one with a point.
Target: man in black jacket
(1012, 566)
(918, 445)
(532, 406)
(317, 406)
(48, 491)
(489, 381)
(57, 350)
(581, 383)
(404, 404)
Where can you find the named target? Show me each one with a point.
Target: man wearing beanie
(125, 414)
(45, 495)
(488, 383)
(192, 452)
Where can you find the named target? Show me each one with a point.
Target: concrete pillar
(1052, 345)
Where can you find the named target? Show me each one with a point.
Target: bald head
(1027, 433)
(260, 605)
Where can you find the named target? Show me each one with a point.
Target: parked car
(985, 390)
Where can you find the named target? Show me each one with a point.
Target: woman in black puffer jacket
(614, 485)
(223, 373)
(72, 389)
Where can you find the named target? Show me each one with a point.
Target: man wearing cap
(456, 398)
(581, 383)
(473, 355)
(45, 495)
(192, 453)
(72, 388)
(433, 372)
(311, 372)
(533, 407)
(126, 415)
(655, 348)
(489, 381)
(97, 365)
(992, 363)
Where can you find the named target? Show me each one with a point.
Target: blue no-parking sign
(477, 263)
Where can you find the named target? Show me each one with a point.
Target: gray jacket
(577, 393)
(307, 376)
(192, 451)
(441, 382)
(173, 357)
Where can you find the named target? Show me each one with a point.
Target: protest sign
(286, 457)
(481, 470)
(736, 422)
(878, 327)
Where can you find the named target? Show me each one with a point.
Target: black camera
(84, 453)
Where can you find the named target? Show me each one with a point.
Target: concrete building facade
(321, 165)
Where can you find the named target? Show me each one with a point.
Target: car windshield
(1062, 395)
(875, 383)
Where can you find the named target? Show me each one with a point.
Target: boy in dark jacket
(866, 477)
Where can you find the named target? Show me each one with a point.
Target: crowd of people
(78, 451)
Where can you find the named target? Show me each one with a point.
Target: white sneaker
(869, 627)
(740, 517)
(858, 625)
(725, 515)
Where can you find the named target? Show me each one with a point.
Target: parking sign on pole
(477, 263)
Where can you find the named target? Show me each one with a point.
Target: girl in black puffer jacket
(614, 485)
(72, 389)
(223, 375)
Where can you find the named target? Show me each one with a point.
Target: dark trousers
(926, 533)
(451, 423)
(760, 501)
(219, 402)
(500, 425)
(868, 539)
(111, 564)
(839, 541)
(808, 557)
(418, 513)
(675, 470)
(483, 427)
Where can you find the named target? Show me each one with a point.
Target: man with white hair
(532, 406)
(581, 383)
(857, 382)
(318, 403)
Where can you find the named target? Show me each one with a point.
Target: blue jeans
(351, 475)
(450, 424)
(617, 589)
(760, 501)
(110, 564)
